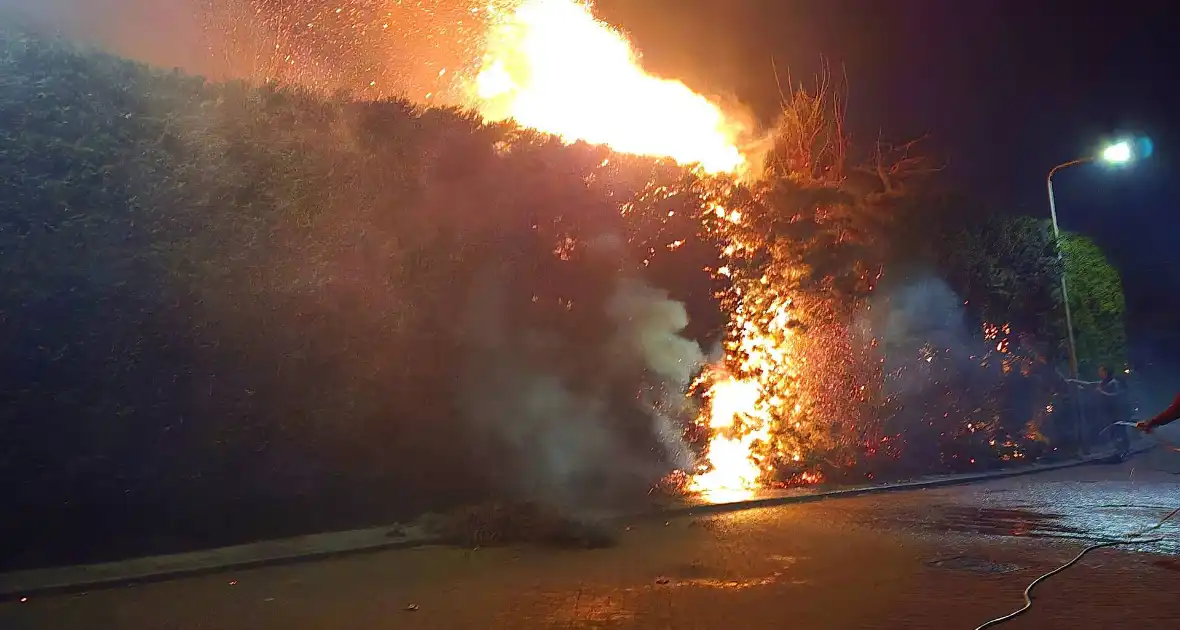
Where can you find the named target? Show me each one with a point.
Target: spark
(423, 50)
(550, 65)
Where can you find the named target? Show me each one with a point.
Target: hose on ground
(1132, 539)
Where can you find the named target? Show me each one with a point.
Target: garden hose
(1169, 445)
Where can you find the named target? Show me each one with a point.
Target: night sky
(1005, 89)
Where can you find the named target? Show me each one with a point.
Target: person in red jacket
(1170, 414)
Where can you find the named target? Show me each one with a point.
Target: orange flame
(551, 65)
(736, 426)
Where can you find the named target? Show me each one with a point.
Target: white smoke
(924, 314)
(649, 328)
(573, 437)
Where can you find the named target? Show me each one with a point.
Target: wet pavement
(940, 559)
(1099, 502)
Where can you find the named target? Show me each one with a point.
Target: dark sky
(1006, 89)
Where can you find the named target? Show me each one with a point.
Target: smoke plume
(579, 424)
(924, 318)
(963, 391)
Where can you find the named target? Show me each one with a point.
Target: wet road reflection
(1094, 503)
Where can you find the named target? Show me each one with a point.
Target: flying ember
(551, 65)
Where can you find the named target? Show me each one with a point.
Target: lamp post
(1115, 154)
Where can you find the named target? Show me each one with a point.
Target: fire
(736, 427)
(551, 65)
(759, 418)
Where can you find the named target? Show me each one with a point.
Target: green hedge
(219, 299)
(1097, 304)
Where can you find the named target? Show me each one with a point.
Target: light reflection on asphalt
(1098, 502)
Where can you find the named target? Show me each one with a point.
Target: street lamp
(1115, 154)
(1118, 153)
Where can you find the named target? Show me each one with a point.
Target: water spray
(1171, 446)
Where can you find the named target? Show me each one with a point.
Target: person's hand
(1144, 426)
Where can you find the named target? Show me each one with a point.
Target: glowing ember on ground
(552, 66)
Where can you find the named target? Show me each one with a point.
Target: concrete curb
(919, 484)
(75, 579)
(81, 578)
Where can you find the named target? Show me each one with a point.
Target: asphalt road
(940, 559)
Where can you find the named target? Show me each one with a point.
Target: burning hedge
(236, 297)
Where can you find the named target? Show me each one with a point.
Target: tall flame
(736, 426)
(551, 65)
(758, 394)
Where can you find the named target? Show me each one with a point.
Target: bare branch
(810, 143)
(894, 165)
